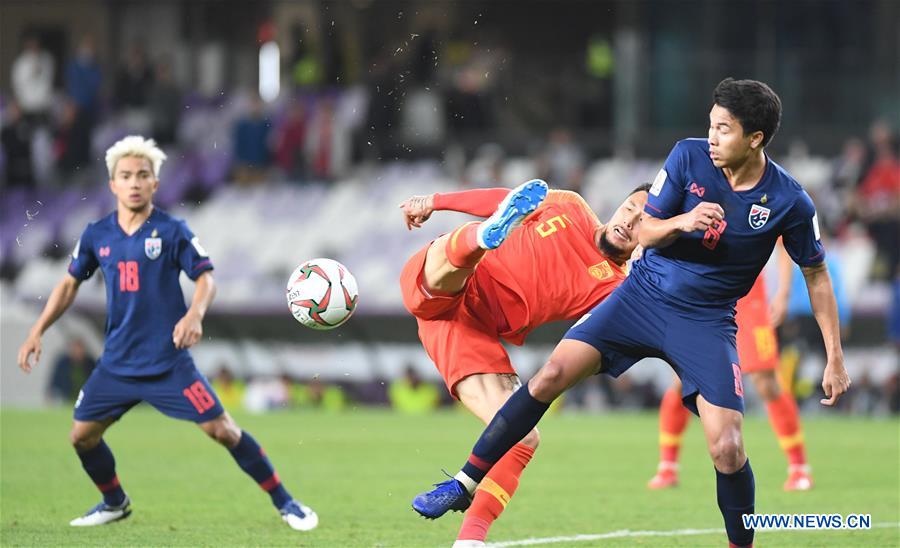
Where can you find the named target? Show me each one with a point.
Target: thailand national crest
(152, 247)
(758, 216)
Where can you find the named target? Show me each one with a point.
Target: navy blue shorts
(632, 324)
(180, 393)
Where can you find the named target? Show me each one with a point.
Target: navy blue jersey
(714, 268)
(143, 295)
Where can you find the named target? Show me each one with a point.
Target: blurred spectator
(132, 88)
(317, 394)
(83, 78)
(164, 102)
(32, 80)
(422, 122)
(894, 316)
(306, 69)
(878, 202)
(290, 137)
(561, 163)
(230, 390)
(267, 394)
(411, 395)
(833, 202)
(16, 140)
(866, 396)
(469, 104)
(486, 167)
(72, 140)
(251, 144)
(70, 372)
(892, 393)
(328, 141)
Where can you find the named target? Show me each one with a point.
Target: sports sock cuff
(466, 482)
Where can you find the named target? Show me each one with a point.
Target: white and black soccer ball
(322, 294)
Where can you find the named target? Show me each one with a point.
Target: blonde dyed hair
(138, 147)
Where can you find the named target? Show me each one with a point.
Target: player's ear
(756, 139)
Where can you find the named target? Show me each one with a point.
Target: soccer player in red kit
(468, 292)
(757, 348)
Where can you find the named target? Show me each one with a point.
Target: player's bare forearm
(204, 293)
(189, 329)
(61, 298)
(658, 232)
(835, 380)
(662, 232)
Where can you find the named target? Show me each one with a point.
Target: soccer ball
(322, 294)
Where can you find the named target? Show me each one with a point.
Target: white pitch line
(626, 533)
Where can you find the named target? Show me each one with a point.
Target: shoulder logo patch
(658, 183)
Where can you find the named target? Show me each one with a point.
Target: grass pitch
(359, 470)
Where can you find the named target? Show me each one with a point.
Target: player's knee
(83, 441)
(224, 431)
(727, 452)
(549, 382)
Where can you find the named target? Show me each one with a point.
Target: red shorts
(459, 332)
(757, 344)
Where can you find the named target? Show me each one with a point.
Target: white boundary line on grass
(627, 533)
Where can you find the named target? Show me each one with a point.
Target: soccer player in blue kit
(141, 252)
(711, 222)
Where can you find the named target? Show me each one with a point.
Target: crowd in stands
(54, 134)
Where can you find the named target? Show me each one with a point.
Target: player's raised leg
(735, 486)
(673, 421)
(253, 460)
(451, 258)
(98, 461)
(785, 420)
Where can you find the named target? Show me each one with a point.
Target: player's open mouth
(618, 231)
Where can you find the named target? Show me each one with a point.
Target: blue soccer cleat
(103, 513)
(520, 201)
(447, 495)
(299, 516)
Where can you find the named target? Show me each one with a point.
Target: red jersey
(549, 268)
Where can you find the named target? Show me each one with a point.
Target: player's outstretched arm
(835, 380)
(60, 300)
(657, 232)
(189, 329)
(480, 202)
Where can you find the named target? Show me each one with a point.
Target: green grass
(360, 469)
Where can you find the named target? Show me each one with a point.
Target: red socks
(673, 420)
(463, 250)
(494, 492)
(785, 419)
